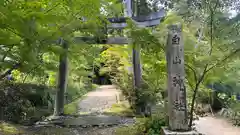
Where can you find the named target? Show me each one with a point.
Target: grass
(137, 128)
(72, 108)
(9, 129)
(120, 109)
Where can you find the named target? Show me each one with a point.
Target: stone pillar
(177, 105)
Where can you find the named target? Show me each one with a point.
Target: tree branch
(194, 72)
(211, 42)
(203, 74)
(52, 8)
(211, 32)
(212, 11)
(224, 59)
(11, 30)
(191, 85)
(5, 55)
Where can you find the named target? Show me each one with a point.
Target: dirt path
(216, 126)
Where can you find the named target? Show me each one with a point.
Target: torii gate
(151, 20)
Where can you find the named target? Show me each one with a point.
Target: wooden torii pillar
(150, 20)
(62, 80)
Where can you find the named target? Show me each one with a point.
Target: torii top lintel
(153, 19)
(150, 20)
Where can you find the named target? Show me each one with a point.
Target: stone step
(86, 121)
(93, 120)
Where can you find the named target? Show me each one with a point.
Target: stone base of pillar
(165, 131)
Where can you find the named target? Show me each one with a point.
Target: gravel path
(98, 100)
(216, 126)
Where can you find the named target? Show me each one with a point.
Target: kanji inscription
(175, 40)
(177, 60)
(178, 81)
(176, 75)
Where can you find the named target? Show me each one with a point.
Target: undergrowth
(9, 129)
(144, 126)
(26, 104)
(120, 109)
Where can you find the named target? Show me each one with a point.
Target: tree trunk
(192, 105)
(62, 82)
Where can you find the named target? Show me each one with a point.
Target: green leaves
(28, 29)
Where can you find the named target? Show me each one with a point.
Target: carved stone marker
(177, 106)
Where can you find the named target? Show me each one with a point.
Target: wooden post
(136, 67)
(62, 81)
(128, 8)
(177, 106)
(137, 75)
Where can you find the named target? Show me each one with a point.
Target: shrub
(144, 126)
(154, 124)
(235, 109)
(232, 110)
(124, 83)
(20, 101)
